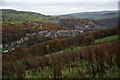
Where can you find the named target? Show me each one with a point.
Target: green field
(110, 38)
(20, 18)
(14, 22)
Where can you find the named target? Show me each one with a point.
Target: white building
(22, 40)
(25, 38)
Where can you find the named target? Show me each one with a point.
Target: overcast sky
(58, 7)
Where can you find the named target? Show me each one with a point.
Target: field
(110, 38)
(20, 18)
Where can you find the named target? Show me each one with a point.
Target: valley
(80, 45)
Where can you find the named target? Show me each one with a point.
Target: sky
(59, 7)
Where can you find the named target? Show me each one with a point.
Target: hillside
(20, 16)
(110, 22)
(75, 62)
(93, 15)
(108, 18)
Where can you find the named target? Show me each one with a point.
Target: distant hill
(20, 16)
(93, 15)
(108, 18)
(110, 22)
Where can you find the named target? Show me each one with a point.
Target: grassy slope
(74, 71)
(75, 49)
(14, 16)
(20, 18)
(110, 38)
